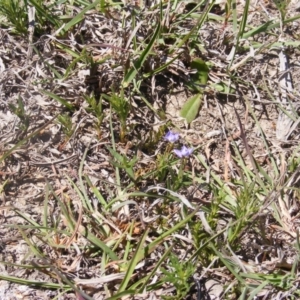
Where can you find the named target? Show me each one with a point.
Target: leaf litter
(249, 113)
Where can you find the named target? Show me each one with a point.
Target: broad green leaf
(222, 87)
(201, 77)
(190, 109)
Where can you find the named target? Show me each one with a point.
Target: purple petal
(186, 151)
(172, 137)
(178, 153)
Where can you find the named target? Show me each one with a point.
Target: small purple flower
(184, 152)
(172, 137)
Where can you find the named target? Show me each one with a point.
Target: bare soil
(45, 158)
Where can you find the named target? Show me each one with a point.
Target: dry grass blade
(101, 203)
(31, 135)
(285, 124)
(133, 263)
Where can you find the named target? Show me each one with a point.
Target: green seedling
(15, 14)
(282, 6)
(178, 274)
(66, 122)
(20, 112)
(120, 105)
(122, 162)
(118, 211)
(95, 107)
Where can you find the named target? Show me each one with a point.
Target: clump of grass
(15, 14)
(123, 207)
(178, 274)
(121, 107)
(66, 122)
(20, 112)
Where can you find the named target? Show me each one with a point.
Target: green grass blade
(139, 63)
(147, 278)
(121, 294)
(244, 19)
(228, 265)
(199, 23)
(78, 18)
(84, 197)
(260, 29)
(32, 283)
(134, 261)
(241, 32)
(30, 221)
(59, 99)
(96, 192)
(32, 247)
(162, 68)
(148, 249)
(43, 11)
(95, 241)
(257, 290)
